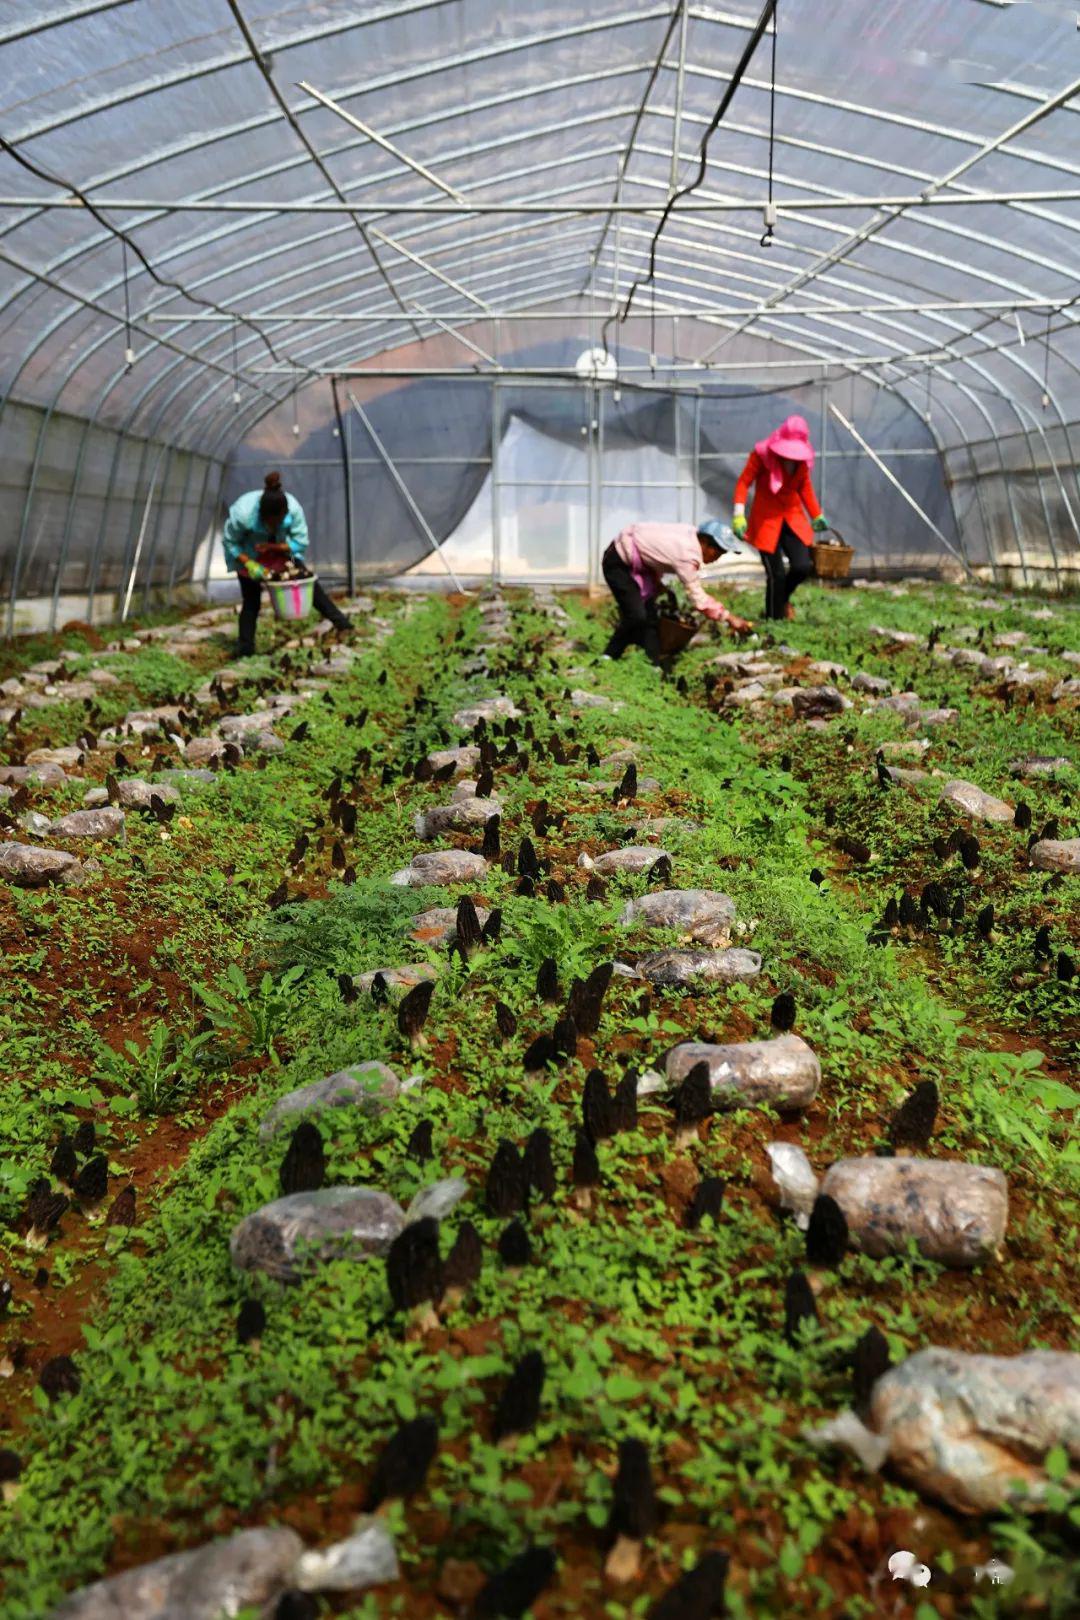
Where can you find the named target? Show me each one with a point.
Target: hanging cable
(235, 369)
(1046, 363)
(107, 225)
(770, 206)
(726, 99)
(129, 352)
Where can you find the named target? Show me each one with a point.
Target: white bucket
(291, 598)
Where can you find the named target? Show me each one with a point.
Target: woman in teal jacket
(262, 526)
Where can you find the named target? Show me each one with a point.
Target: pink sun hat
(789, 442)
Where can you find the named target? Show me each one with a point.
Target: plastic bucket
(291, 598)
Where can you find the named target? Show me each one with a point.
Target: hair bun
(273, 480)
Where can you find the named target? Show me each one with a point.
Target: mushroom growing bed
(426, 1192)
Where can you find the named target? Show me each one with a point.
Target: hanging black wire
(129, 353)
(767, 235)
(726, 99)
(107, 225)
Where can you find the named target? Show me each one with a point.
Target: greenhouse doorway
(568, 470)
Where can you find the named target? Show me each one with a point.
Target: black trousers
(251, 601)
(637, 618)
(781, 583)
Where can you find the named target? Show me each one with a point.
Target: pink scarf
(642, 575)
(790, 441)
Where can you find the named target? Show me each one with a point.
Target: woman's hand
(739, 525)
(741, 627)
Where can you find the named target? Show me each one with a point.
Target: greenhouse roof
(266, 193)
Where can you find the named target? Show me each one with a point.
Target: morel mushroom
(403, 1463)
(587, 998)
(515, 1588)
(827, 1233)
(295, 1605)
(414, 1271)
(585, 1171)
(419, 1145)
(463, 1263)
(250, 1322)
(527, 863)
(913, 1123)
(706, 1202)
(782, 1016)
(624, 1103)
(519, 1403)
(800, 1306)
(380, 990)
(42, 1214)
(122, 1208)
(505, 1021)
(693, 1103)
(635, 1512)
(595, 889)
(538, 1165)
(547, 980)
(597, 1109)
(92, 1182)
(467, 927)
(697, 1595)
(869, 1360)
(84, 1138)
(303, 1169)
(539, 1054)
(515, 1250)
(626, 792)
(493, 927)
(660, 870)
(10, 1470)
(64, 1163)
(504, 1193)
(413, 1011)
(59, 1376)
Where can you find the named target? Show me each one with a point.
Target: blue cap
(720, 535)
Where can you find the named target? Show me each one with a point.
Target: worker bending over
(634, 564)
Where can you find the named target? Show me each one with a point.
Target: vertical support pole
(496, 498)
(346, 467)
(594, 406)
(696, 463)
(158, 520)
(214, 516)
(141, 535)
(823, 480)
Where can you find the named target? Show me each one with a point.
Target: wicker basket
(833, 560)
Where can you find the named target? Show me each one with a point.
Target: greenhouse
(539, 810)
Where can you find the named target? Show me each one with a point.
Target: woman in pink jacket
(633, 566)
(778, 469)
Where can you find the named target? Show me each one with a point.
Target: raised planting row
(605, 1198)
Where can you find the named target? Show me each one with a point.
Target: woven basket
(674, 631)
(833, 561)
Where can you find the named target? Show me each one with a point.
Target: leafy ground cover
(207, 969)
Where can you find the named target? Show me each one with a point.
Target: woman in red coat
(779, 469)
